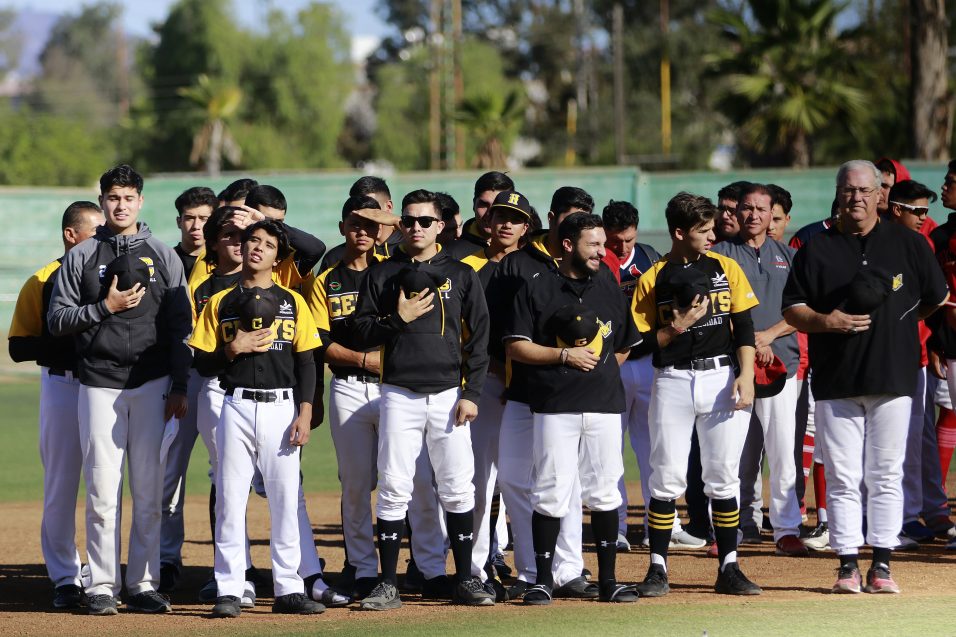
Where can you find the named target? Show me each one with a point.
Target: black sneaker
(537, 595)
(101, 605)
(578, 588)
(731, 581)
(471, 592)
(439, 587)
(383, 597)
(168, 577)
(517, 590)
(494, 586)
(616, 593)
(148, 602)
(67, 596)
(655, 582)
(226, 606)
(296, 604)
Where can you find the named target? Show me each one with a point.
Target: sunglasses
(919, 211)
(425, 222)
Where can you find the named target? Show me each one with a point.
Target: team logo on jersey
(779, 262)
(633, 271)
(285, 308)
(446, 286)
(342, 305)
(897, 281)
(335, 286)
(605, 328)
(719, 280)
(149, 262)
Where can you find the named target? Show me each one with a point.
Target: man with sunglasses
(427, 312)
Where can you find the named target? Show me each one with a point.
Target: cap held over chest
(257, 309)
(575, 325)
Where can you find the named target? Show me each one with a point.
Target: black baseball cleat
(578, 588)
(383, 597)
(101, 605)
(226, 606)
(148, 602)
(471, 592)
(168, 577)
(296, 604)
(494, 586)
(537, 595)
(732, 581)
(655, 582)
(615, 593)
(67, 596)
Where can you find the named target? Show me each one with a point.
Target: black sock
(849, 560)
(390, 534)
(660, 525)
(604, 530)
(881, 556)
(726, 517)
(461, 536)
(544, 535)
(493, 527)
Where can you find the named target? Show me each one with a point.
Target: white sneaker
(623, 546)
(248, 599)
(818, 539)
(684, 540)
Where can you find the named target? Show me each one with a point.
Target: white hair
(858, 164)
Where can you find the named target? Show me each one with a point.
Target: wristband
(364, 355)
(563, 357)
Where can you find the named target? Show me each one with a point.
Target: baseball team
(484, 379)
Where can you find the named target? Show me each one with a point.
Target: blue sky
(138, 14)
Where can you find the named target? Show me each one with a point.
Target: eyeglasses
(849, 192)
(919, 211)
(425, 222)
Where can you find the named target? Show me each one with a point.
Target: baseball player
(260, 337)
(694, 307)
(29, 339)
(388, 236)
(766, 264)
(475, 232)
(572, 329)
(428, 314)
(858, 290)
(235, 193)
(780, 213)
(194, 207)
(133, 373)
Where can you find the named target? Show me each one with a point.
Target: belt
(702, 364)
(259, 395)
(57, 372)
(359, 378)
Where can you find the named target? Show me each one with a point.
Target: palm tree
(491, 121)
(217, 102)
(786, 73)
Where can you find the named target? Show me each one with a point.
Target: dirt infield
(25, 592)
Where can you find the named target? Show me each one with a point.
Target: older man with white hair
(858, 290)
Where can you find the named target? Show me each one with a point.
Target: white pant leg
(450, 451)
(840, 427)
(309, 563)
(670, 425)
(556, 448)
(62, 458)
(777, 416)
(485, 432)
(600, 464)
(172, 532)
(721, 430)
(638, 378)
(208, 409)
(401, 436)
(884, 449)
(353, 423)
(516, 479)
(429, 543)
(568, 556)
(913, 460)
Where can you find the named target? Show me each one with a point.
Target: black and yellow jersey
(481, 264)
(294, 331)
(382, 251)
(471, 239)
(29, 336)
(201, 291)
(654, 301)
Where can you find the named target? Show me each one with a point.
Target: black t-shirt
(188, 260)
(883, 359)
(560, 389)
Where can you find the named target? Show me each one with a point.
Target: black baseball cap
(689, 282)
(129, 270)
(513, 200)
(257, 308)
(576, 325)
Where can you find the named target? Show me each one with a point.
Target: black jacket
(445, 348)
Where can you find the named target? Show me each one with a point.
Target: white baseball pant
(62, 458)
(118, 425)
(913, 459)
(588, 441)
(682, 400)
(864, 441)
(309, 563)
(776, 420)
(516, 478)
(485, 433)
(254, 434)
(172, 531)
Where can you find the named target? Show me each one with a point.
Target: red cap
(769, 380)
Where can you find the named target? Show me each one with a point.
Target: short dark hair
(358, 202)
(273, 228)
(886, 166)
(195, 197)
(567, 197)
(618, 215)
(448, 206)
(780, 196)
(686, 211)
(732, 190)
(534, 224)
(421, 196)
(73, 214)
(908, 190)
(755, 189)
(493, 180)
(573, 225)
(237, 190)
(263, 195)
(951, 166)
(210, 232)
(369, 185)
(123, 176)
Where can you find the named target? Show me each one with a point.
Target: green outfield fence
(31, 216)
